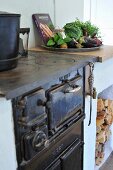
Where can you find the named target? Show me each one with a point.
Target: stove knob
(41, 103)
(40, 140)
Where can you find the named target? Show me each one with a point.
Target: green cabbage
(73, 31)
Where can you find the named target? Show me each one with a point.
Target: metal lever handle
(23, 49)
(73, 90)
(41, 103)
(91, 80)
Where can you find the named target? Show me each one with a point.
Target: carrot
(42, 26)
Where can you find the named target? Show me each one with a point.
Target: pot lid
(3, 14)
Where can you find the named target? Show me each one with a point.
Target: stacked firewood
(103, 121)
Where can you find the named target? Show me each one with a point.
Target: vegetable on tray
(76, 35)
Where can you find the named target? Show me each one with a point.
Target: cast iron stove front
(49, 125)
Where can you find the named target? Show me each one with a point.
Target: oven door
(31, 110)
(71, 159)
(64, 101)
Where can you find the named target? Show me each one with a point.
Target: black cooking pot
(9, 40)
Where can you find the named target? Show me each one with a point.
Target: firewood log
(108, 119)
(98, 161)
(105, 127)
(105, 103)
(108, 134)
(98, 129)
(101, 137)
(102, 113)
(99, 120)
(100, 105)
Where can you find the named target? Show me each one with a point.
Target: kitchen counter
(104, 53)
(37, 70)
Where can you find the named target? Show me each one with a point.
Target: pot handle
(23, 47)
(24, 30)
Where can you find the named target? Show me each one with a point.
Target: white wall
(101, 15)
(87, 10)
(89, 135)
(68, 11)
(7, 141)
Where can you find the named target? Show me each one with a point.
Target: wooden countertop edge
(103, 54)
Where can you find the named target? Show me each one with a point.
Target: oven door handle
(72, 90)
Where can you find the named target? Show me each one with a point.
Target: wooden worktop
(105, 52)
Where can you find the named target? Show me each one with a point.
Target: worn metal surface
(37, 70)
